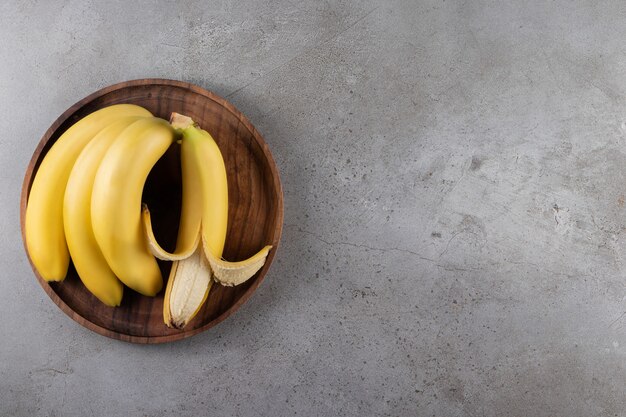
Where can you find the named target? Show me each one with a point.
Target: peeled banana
(205, 186)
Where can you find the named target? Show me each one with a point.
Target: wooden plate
(255, 215)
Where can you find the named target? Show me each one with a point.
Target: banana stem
(179, 121)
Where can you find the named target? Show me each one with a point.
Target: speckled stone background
(454, 176)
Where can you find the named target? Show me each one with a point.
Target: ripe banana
(44, 231)
(205, 186)
(89, 262)
(116, 203)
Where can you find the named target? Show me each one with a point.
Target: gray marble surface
(454, 176)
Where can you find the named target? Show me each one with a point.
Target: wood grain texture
(255, 216)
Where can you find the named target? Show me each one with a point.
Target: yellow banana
(116, 203)
(204, 187)
(45, 236)
(87, 257)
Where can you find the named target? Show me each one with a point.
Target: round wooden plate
(255, 214)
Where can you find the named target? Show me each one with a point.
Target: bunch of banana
(85, 202)
(45, 237)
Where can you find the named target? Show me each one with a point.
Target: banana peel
(234, 273)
